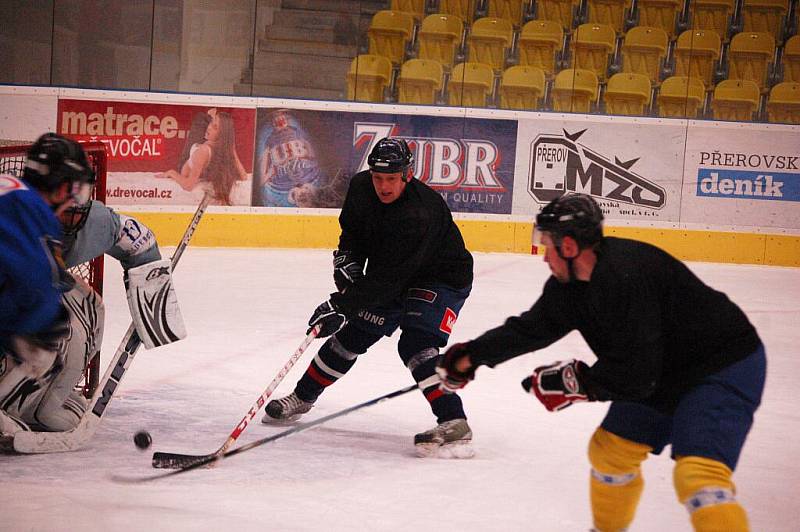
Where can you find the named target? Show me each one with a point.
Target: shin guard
(616, 482)
(705, 487)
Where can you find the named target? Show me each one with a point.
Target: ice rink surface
(246, 312)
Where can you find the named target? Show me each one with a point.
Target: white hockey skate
(451, 439)
(285, 410)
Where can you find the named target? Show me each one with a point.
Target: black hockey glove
(558, 385)
(329, 317)
(452, 379)
(346, 269)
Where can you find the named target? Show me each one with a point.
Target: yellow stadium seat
(681, 97)
(628, 94)
(419, 82)
(610, 12)
(440, 37)
(389, 33)
(368, 77)
(750, 55)
(765, 16)
(465, 9)
(561, 11)
(512, 10)
(643, 51)
(784, 103)
(540, 42)
(712, 15)
(470, 85)
(575, 91)
(522, 87)
(592, 47)
(791, 59)
(696, 55)
(415, 8)
(735, 99)
(659, 14)
(489, 41)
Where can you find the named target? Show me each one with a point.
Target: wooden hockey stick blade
(176, 460)
(210, 459)
(32, 442)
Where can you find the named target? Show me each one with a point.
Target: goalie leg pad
(154, 304)
(616, 482)
(705, 487)
(60, 408)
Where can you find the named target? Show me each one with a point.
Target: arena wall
(703, 190)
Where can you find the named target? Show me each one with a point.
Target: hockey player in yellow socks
(680, 363)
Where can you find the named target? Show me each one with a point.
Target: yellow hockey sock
(705, 487)
(616, 482)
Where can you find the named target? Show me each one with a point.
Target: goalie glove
(558, 385)
(346, 269)
(329, 317)
(154, 305)
(451, 378)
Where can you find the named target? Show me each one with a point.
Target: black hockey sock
(330, 364)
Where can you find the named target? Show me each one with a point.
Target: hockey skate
(286, 409)
(451, 439)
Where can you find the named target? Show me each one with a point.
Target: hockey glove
(558, 385)
(346, 269)
(329, 317)
(452, 379)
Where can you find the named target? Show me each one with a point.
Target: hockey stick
(175, 460)
(70, 440)
(209, 459)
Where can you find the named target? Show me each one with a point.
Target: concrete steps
(307, 51)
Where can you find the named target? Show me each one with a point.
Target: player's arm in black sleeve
(542, 325)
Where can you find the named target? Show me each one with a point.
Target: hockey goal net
(12, 161)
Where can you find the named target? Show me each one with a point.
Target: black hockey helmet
(574, 215)
(390, 155)
(53, 160)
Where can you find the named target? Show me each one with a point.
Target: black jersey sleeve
(542, 325)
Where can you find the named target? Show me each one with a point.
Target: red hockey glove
(452, 379)
(558, 385)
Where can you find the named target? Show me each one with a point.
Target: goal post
(12, 161)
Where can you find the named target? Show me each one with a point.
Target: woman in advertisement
(212, 158)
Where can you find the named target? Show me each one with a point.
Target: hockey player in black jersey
(401, 262)
(680, 363)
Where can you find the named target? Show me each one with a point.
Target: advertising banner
(633, 169)
(306, 158)
(162, 154)
(742, 177)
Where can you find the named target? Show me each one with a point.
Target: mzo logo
(559, 164)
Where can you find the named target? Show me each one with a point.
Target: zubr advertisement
(305, 159)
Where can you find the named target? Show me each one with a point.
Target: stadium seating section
(716, 59)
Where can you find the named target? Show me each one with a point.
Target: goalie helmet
(54, 160)
(574, 215)
(390, 155)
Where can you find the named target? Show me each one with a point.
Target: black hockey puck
(142, 439)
